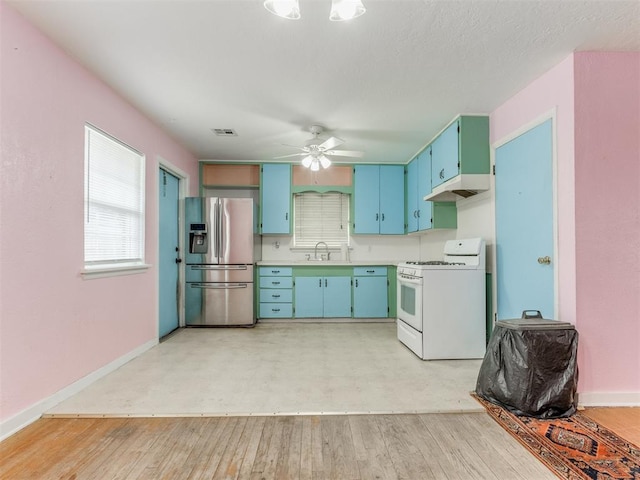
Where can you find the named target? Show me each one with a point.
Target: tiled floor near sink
(280, 369)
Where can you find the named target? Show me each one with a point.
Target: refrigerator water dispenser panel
(198, 242)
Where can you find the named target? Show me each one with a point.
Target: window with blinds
(320, 218)
(113, 202)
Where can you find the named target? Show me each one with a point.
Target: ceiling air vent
(225, 132)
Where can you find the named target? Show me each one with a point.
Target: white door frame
(551, 114)
(183, 190)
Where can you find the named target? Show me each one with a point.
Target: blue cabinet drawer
(276, 295)
(369, 271)
(276, 310)
(275, 271)
(276, 282)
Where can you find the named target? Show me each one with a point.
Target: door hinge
(458, 128)
(494, 169)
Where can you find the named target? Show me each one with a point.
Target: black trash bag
(530, 368)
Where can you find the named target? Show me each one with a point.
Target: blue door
(168, 246)
(524, 224)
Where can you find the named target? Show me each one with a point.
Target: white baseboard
(11, 425)
(609, 399)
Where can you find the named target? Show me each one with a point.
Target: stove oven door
(409, 296)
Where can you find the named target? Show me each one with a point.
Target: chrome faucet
(315, 251)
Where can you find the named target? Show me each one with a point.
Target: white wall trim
(11, 425)
(609, 399)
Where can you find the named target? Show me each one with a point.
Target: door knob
(544, 260)
(178, 260)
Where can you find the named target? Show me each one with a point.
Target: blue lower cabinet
(276, 310)
(275, 295)
(370, 292)
(322, 297)
(337, 297)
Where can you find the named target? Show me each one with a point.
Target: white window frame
(114, 259)
(310, 230)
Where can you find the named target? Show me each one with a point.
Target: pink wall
(55, 326)
(607, 133)
(597, 102)
(553, 90)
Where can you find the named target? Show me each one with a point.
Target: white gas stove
(442, 303)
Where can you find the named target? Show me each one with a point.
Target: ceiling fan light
(306, 161)
(342, 10)
(284, 8)
(325, 162)
(315, 166)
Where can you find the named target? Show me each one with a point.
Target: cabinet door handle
(275, 309)
(418, 213)
(320, 282)
(415, 214)
(441, 175)
(371, 271)
(356, 283)
(286, 216)
(377, 217)
(275, 296)
(383, 217)
(325, 282)
(275, 271)
(275, 283)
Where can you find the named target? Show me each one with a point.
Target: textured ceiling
(386, 82)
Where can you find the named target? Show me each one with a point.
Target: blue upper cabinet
(412, 198)
(391, 199)
(423, 215)
(461, 152)
(379, 199)
(445, 162)
(367, 199)
(276, 198)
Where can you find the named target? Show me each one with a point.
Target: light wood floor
(624, 421)
(427, 446)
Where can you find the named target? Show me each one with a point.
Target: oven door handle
(409, 280)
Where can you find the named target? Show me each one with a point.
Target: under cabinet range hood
(460, 186)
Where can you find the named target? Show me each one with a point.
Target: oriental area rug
(574, 448)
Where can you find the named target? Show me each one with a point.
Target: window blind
(320, 218)
(114, 202)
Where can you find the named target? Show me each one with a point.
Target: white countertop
(326, 263)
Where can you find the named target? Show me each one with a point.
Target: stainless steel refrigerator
(223, 246)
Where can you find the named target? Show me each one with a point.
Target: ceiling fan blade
(330, 143)
(292, 155)
(305, 149)
(345, 153)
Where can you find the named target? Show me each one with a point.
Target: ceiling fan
(317, 151)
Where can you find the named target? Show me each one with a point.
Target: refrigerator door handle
(216, 222)
(219, 286)
(218, 267)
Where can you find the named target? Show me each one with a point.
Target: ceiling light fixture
(284, 8)
(341, 10)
